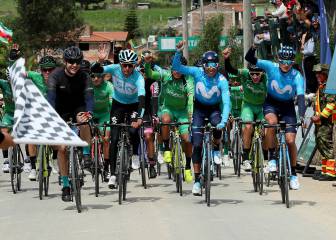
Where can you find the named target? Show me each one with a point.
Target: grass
(8, 7)
(113, 20)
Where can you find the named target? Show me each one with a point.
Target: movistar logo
(281, 91)
(200, 89)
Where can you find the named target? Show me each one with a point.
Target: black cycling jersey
(70, 95)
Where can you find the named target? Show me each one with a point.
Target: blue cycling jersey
(282, 86)
(126, 89)
(208, 90)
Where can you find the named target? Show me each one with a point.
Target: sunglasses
(127, 65)
(74, 61)
(94, 75)
(47, 69)
(211, 65)
(286, 62)
(255, 74)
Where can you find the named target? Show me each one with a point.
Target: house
(233, 17)
(90, 41)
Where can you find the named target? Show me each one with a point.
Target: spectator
(281, 13)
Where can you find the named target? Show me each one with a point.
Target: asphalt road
(159, 213)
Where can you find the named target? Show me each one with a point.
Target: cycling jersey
(70, 95)
(208, 90)
(282, 86)
(126, 89)
(39, 82)
(176, 94)
(102, 99)
(254, 93)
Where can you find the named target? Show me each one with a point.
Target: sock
(272, 153)
(265, 152)
(188, 163)
(197, 177)
(65, 181)
(166, 145)
(293, 170)
(151, 161)
(246, 153)
(86, 150)
(33, 162)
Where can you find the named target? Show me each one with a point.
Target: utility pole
(202, 15)
(185, 28)
(247, 26)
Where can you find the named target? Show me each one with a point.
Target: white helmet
(128, 56)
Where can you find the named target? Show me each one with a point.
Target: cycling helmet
(73, 53)
(254, 68)
(14, 54)
(47, 62)
(184, 61)
(286, 53)
(128, 56)
(210, 56)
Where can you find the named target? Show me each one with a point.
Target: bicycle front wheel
(96, 166)
(260, 167)
(76, 181)
(40, 171)
(208, 174)
(285, 175)
(143, 164)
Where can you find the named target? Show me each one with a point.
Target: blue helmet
(210, 56)
(286, 53)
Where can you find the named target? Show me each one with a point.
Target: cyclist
(253, 82)
(103, 92)
(6, 140)
(47, 65)
(128, 99)
(178, 96)
(212, 101)
(284, 83)
(151, 110)
(70, 93)
(8, 115)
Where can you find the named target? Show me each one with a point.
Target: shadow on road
(130, 200)
(159, 185)
(89, 206)
(216, 202)
(294, 202)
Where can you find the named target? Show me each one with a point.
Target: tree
(210, 38)
(46, 24)
(131, 24)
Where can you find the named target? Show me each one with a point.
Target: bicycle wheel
(76, 181)
(13, 170)
(285, 173)
(179, 161)
(235, 155)
(260, 168)
(125, 173)
(121, 169)
(208, 174)
(239, 161)
(254, 167)
(143, 164)
(40, 170)
(19, 166)
(96, 166)
(169, 171)
(281, 178)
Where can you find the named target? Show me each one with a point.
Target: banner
(5, 34)
(331, 83)
(325, 55)
(35, 120)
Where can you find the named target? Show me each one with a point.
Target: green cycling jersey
(102, 99)
(39, 82)
(175, 94)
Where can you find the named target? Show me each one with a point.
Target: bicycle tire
(285, 171)
(208, 173)
(120, 174)
(124, 185)
(281, 179)
(219, 171)
(254, 167)
(179, 161)
(40, 171)
(169, 171)
(76, 181)
(261, 168)
(235, 156)
(96, 165)
(13, 170)
(142, 164)
(239, 161)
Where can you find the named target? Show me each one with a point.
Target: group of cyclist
(138, 91)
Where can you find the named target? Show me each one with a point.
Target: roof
(237, 7)
(105, 37)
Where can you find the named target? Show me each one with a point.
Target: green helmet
(47, 62)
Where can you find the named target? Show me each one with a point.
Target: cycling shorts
(251, 112)
(178, 116)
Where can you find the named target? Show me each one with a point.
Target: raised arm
(226, 103)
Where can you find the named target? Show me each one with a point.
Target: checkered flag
(35, 120)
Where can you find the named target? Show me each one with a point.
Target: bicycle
(43, 157)
(123, 159)
(178, 157)
(257, 156)
(143, 164)
(15, 168)
(284, 164)
(208, 160)
(237, 146)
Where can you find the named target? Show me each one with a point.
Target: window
(84, 46)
